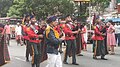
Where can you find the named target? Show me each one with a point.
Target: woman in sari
(4, 54)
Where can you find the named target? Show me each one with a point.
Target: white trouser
(54, 60)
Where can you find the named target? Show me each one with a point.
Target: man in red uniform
(25, 29)
(28, 45)
(35, 42)
(70, 40)
(99, 49)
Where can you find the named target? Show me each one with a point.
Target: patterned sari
(4, 54)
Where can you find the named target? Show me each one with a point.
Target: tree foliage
(16, 9)
(41, 8)
(4, 6)
(102, 2)
(100, 5)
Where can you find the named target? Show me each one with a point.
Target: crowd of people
(44, 39)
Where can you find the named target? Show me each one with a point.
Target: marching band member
(35, 42)
(70, 40)
(26, 39)
(99, 48)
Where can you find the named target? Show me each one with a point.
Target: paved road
(17, 54)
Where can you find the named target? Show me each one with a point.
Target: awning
(113, 19)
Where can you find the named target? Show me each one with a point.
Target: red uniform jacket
(25, 30)
(33, 36)
(68, 32)
(98, 34)
(59, 28)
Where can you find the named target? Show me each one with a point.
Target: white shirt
(117, 29)
(18, 30)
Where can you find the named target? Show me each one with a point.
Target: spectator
(117, 34)
(111, 37)
(18, 32)
(7, 32)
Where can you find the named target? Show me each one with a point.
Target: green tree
(16, 10)
(4, 7)
(41, 8)
(100, 5)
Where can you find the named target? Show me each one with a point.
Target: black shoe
(61, 52)
(80, 55)
(21, 44)
(75, 63)
(95, 58)
(37, 65)
(104, 59)
(65, 62)
(33, 65)
(27, 60)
